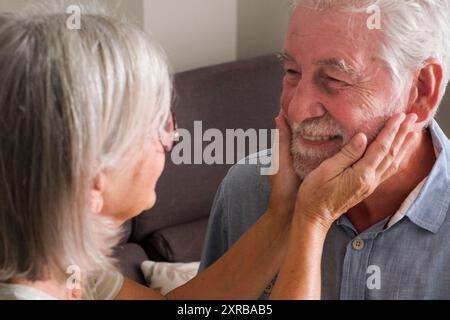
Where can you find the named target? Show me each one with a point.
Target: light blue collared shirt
(407, 260)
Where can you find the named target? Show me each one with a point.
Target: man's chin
(303, 171)
(303, 167)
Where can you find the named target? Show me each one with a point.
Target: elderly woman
(85, 124)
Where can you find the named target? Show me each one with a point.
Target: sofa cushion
(181, 243)
(165, 277)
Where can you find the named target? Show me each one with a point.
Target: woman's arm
(242, 273)
(300, 274)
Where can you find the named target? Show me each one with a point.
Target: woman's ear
(96, 201)
(426, 91)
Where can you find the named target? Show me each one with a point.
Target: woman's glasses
(170, 136)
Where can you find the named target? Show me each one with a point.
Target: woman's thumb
(285, 136)
(350, 154)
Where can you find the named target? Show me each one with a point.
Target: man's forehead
(338, 52)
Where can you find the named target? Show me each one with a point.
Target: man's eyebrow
(338, 63)
(284, 57)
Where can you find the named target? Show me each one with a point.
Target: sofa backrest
(243, 94)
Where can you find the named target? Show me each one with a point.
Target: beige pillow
(165, 277)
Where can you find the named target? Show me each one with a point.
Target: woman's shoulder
(103, 286)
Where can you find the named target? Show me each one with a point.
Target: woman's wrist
(281, 216)
(317, 222)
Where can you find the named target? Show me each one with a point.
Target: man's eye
(335, 81)
(292, 72)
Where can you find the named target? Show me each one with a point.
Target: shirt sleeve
(105, 286)
(216, 243)
(241, 199)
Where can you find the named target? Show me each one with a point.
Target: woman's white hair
(69, 99)
(412, 32)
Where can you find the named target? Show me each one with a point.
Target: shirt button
(358, 244)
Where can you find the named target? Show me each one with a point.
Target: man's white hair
(412, 32)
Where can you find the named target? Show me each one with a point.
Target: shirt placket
(355, 266)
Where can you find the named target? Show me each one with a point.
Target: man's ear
(96, 196)
(426, 90)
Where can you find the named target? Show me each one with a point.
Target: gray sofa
(243, 94)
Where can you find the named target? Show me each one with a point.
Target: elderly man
(343, 76)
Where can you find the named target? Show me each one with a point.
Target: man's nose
(305, 104)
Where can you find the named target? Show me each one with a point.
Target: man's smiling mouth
(319, 141)
(320, 138)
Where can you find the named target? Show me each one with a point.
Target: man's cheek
(351, 117)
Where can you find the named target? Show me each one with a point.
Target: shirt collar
(430, 208)
(404, 208)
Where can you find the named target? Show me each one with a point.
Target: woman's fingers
(398, 143)
(408, 143)
(351, 153)
(385, 155)
(285, 182)
(284, 143)
(342, 181)
(381, 147)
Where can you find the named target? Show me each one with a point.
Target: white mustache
(324, 127)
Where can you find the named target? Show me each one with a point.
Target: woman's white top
(104, 287)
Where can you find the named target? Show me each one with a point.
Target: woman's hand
(285, 183)
(342, 181)
(338, 184)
